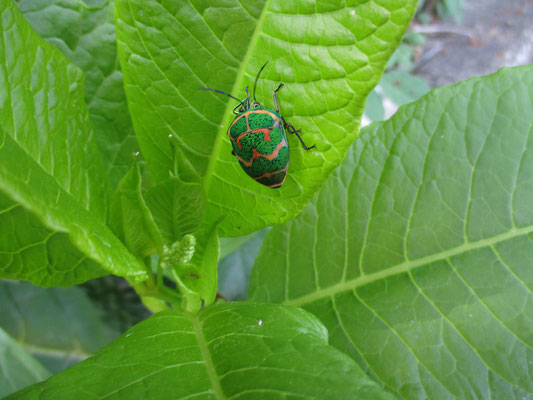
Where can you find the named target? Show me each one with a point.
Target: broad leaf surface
(58, 326)
(417, 253)
(198, 277)
(131, 219)
(18, 368)
(178, 208)
(86, 36)
(329, 54)
(31, 251)
(244, 351)
(48, 162)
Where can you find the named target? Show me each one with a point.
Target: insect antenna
(257, 77)
(219, 91)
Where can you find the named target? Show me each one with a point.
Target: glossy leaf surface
(328, 53)
(48, 162)
(131, 219)
(85, 34)
(31, 251)
(245, 351)
(178, 208)
(417, 253)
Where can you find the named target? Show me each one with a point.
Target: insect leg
(290, 128)
(275, 97)
(238, 106)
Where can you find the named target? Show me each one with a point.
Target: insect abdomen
(260, 144)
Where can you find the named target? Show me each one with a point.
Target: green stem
(192, 301)
(159, 276)
(155, 297)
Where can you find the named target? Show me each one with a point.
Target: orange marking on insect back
(234, 122)
(238, 140)
(256, 154)
(269, 174)
(266, 132)
(246, 115)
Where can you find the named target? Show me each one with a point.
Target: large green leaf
(86, 36)
(58, 326)
(48, 162)
(329, 53)
(178, 208)
(417, 253)
(131, 219)
(19, 369)
(245, 351)
(31, 251)
(197, 279)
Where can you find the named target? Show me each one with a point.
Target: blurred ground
(493, 34)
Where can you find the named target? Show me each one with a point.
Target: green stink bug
(259, 140)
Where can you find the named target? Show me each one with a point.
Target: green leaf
(131, 219)
(31, 251)
(245, 351)
(57, 326)
(451, 9)
(19, 369)
(86, 36)
(328, 53)
(48, 163)
(178, 208)
(197, 278)
(417, 253)
(402, 58)
(402, 88)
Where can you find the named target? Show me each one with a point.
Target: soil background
(492, 34)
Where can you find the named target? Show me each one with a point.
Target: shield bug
(258, 135)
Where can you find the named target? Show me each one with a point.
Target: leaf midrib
(229, 109)
(406, 266)
(208, 361)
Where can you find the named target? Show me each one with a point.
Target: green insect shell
(260, 144)
(258, 135)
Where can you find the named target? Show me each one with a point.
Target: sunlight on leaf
(85, 34)
(417, 253)
(49, 163)
(238, 350)
(329, 54)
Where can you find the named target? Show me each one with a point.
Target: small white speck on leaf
(260, 322)
(352, 12)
